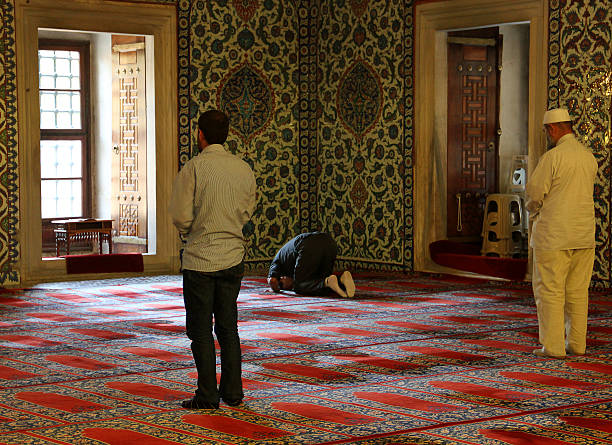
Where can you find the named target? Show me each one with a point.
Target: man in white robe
(560, 204)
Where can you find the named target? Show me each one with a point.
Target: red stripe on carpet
(175, 289)
(417, 326)
(256, 280)
(70, 297)
(552, 380)
(6, 419)
(292, 338)
(413, 285)
(101, 333)
(521, 438)
(391, 305)
(118, 436)
(150, 391)
(446, 353)
(8, 373)
(122, 293)
(269, 296)
(590, 423)
(458, 279)
(407, 402)
(483, 391)
(59, 401)
(483, 296)
(506, 345)
(250, 322)
(308, 371)
(466, 320)
(378, 361)
(603, 302)
(159, 354)
(341, 310)
(235, 427)
(602, 329)
(16, 302)
(248, 348)
(374, 289)
(80, 362)
(325, 414)
(436, 300)
(283, 314)
(597, 367)
(112, 311)
(52, 317)
(354, 331)
(168, 327)
(249, 384)
(595, 342)
(29, 340)
(96, 263)
(511, 314)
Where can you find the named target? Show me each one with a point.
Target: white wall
(101, 123)
(514, 99)
(151, 148)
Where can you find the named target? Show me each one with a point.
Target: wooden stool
(502, 228)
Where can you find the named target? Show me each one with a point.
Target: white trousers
(560, 283)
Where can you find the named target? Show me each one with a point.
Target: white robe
(560, 193)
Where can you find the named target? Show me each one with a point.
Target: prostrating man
(213, 197)
(560, 202)
(305, 265)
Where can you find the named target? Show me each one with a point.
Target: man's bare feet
(332, 283)
(347, 280)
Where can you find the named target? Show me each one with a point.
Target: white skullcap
(556, 115)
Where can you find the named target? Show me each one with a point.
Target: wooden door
(129, 165)
(472, 150)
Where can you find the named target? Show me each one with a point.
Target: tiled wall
(9, 217)
(580, 78)
(321, 98)
(365, 131)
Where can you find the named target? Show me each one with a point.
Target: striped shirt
(213, 197)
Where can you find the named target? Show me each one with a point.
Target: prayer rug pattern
(412, 359)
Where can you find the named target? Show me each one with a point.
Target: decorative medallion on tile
(358, 7)
(359, 99)
(245, 8)
(246, 96)
(359, 193)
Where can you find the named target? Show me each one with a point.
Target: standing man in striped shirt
(213, 197)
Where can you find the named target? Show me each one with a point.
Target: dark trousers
(209, 294)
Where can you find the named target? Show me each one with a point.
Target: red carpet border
(419, 359)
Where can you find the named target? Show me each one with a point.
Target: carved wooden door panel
(129, 165)
(472, 150)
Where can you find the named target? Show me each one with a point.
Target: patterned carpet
(413, 359)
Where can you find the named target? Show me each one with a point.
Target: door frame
(430, 152)
(94, 16)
